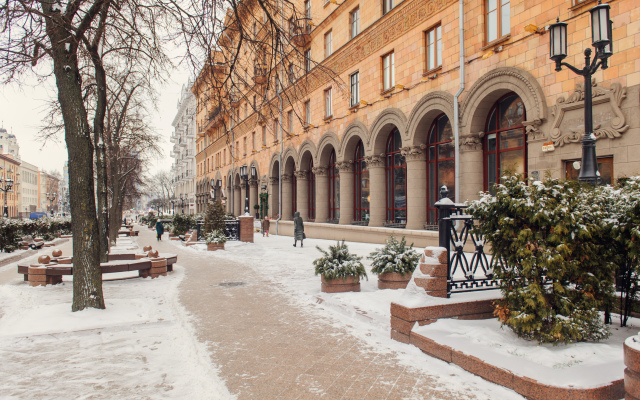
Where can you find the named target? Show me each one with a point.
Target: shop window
(396, 180)
(440, 164)
(605, 168)
(361, 185)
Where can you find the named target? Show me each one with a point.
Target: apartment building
(183, 152)
(9, 186)
(423, 94)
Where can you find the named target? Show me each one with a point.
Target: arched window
(294, 193)
(334, 189)
(361, 185)
(440, 164)
(505, 145)
(396, 169)
(312, 190)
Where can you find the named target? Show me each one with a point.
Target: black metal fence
(466, 271)
(231, 229)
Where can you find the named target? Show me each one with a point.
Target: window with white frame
(307, 60)
(354, 84)
(290, 121)
(433, 40)
(354, 22)
(388, 71)
(328, 111)
(328, 44)
(307, 113)
(497, 19)
(387, 5)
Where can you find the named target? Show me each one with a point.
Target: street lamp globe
(600, 33)
(558, 42)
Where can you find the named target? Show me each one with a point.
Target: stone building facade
(374, 146)
(183, 153)
(9, 170)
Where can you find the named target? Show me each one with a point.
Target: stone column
(253, 196)
(377, 207)
(303, 194)
(287, 209)
(273, 197)
(346, 192)
(237, 200)
(415, 157)
(246, 229)
(322, 194)
(471, 167)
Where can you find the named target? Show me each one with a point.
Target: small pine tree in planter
(340, 270)
(215, 240)
(394, 263)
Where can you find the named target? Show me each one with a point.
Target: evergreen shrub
(338, 263)
(555, 262)
(182, 223)
(10, 235)
(214, 218)
(394, 257)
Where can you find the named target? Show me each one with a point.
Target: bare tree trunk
(87, 276)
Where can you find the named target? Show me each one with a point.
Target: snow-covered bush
(394, 257)
(10, 234)
(556, 261)
(214, 217)
(338, 263)
(216, 237)
(182, 223)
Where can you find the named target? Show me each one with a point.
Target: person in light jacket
(159, 230)
(265, 226)
(298, 229)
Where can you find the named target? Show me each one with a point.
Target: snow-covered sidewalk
(141, 346)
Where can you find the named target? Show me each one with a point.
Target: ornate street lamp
(601, 29)
(5, 186)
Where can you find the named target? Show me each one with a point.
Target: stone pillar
(434, 264)
(303, 194)
(346, 192)
(471, 168)
(246, 229)
(287, 198)
(416, 186)
(253, 196)
(377, 206)
(322, 194)
(158, 267)
(273, 197)
(237, 200)
(632, 372)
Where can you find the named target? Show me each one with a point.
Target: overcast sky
(22, 110)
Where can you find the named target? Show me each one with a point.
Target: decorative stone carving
(319, 171)
(375, 161)
(471, 143)
(253, 182)
(273, 180)
(286, 178)
(532, 130)
(237, 187)
(301, 175)
(608, 119)
(414, 153)
(344, 166)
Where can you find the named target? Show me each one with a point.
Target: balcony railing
(260, 74)
(301, 32)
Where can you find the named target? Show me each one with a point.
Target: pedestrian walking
(159, 230)
(298, 229)
(265, 226)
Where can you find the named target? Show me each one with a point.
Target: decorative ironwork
(232, 229)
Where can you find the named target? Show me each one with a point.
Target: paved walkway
(268, 348)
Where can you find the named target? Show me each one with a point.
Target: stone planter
(632, 372)
(393, 280)
(215, 246)
(351, 284)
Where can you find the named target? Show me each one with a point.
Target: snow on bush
(338, 263)
(394, 257)
(216, 237)
(556, 262)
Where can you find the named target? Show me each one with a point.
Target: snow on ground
(4, 256)
(141, 346)
(368, 313)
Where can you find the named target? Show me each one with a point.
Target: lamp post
(245, 176)
(601, 29)
(51, 197)
(5, 186)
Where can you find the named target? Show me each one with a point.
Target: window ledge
(355, 107)
(387, 91)
(496, 42)
(328, 118)
(433, 71)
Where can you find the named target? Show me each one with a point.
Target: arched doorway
(440, 164)
(505, 144)
(396, 180)
(361, 183)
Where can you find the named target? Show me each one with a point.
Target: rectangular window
(275, 130)
(354, 22)
(264, 135)
(328, 112)
(254, 102)
(307, 61)
(290, 120)
(387, 5)
(246, 110)
(433, 40)
(605, 169)
(253, 141)
(237, 149)
(497, 19)
(307, 113)
(245, 145)
(388, 71)
(328, 44)
(307, 8)
(354, 83)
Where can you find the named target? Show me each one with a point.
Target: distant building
(29, 174)
(183, 153)
(49, 192)
(9, 144)
(9, 200)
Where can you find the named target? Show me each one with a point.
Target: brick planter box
(632, 372)
(351, 284)
(393, 280)
(215, 246)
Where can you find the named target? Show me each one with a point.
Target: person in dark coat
(159, 229)
(265, 226)
(298, 229)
